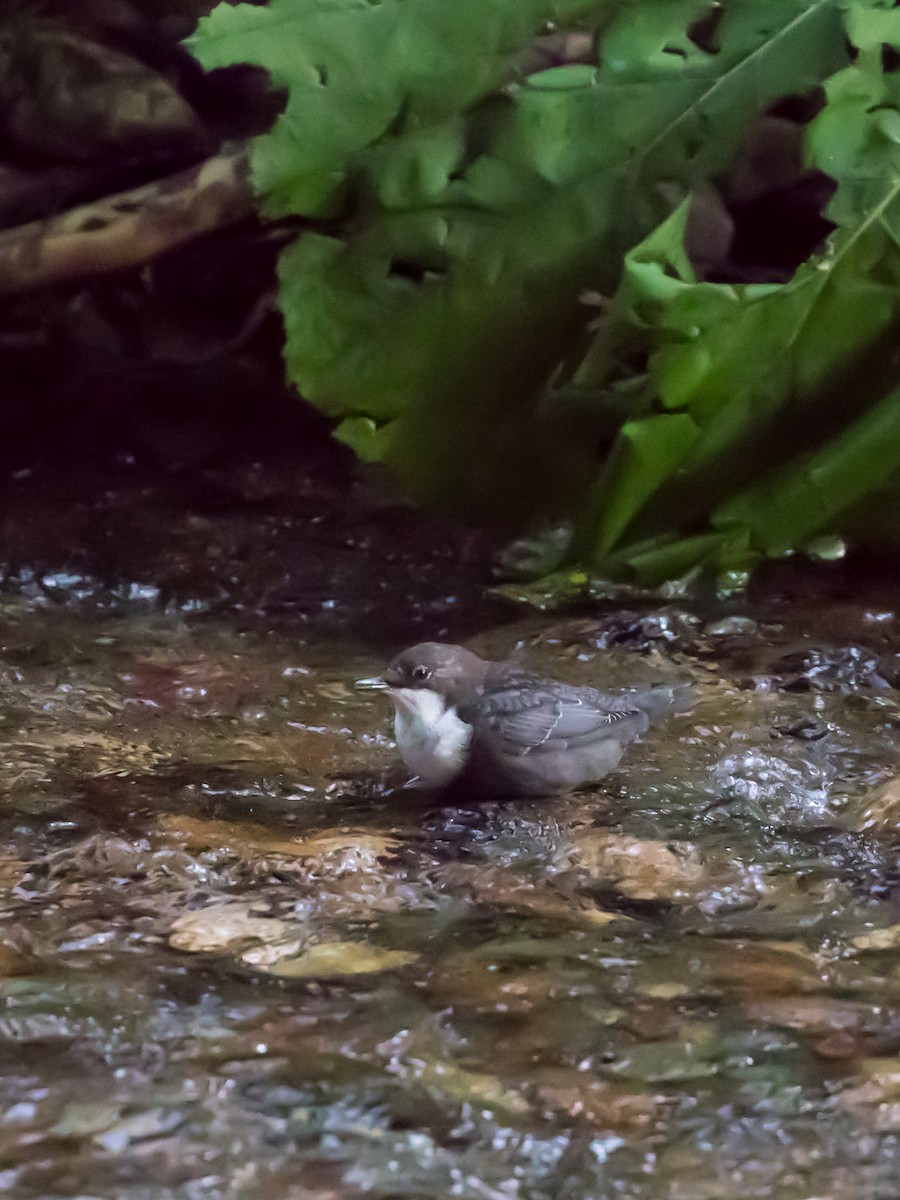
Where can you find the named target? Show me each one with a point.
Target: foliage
(459, 203)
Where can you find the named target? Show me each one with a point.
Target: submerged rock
(882, 811)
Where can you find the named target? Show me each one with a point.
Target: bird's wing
(526, 715)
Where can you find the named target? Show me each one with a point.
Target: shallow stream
(238, 960)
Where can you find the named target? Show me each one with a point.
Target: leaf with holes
(471, 204)
(791, 389)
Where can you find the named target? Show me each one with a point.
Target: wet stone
(730, 627)
(827, 668)
(806, 728)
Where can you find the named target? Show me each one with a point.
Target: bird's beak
(375, 684)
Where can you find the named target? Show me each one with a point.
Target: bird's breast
(432, 739)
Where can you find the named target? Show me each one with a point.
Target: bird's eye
(420, 672)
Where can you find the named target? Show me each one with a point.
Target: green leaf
(645, 454)
(766, 373)
(354, 69)
(457, 212)
(367, 440)
(476, 215)
(810, 494)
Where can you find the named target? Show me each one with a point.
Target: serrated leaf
(468, 210)
(769, 373)
(477, 216)
(353, 70)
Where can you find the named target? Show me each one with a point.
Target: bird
(498, 730)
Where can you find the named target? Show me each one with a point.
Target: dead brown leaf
(839, 1028)
(16, 957)
(877, 1098)
(882, 813)
(754, 969)
(499, 887)
(573, 1093)
(471, 982)
(879, 939)
(337, 852)
(640, 868)
(229, 925)
(339, 960)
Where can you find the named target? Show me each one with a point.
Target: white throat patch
(431, 738)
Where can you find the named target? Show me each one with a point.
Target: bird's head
(454, 673)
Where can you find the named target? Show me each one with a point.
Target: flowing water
(238, 959)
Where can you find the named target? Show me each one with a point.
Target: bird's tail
(663, 700)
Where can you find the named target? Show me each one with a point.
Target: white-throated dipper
(501, 731)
